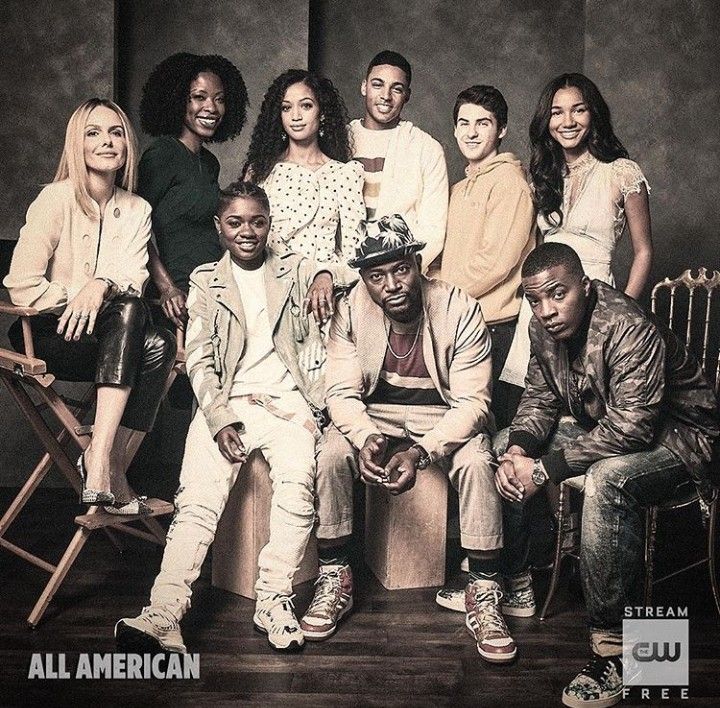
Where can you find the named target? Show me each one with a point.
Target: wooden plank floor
(397, 648)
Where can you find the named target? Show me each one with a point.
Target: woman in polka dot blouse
(300, 154)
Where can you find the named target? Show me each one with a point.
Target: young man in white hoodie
(490, 229)
(405, 170)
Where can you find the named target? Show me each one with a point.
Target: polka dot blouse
(317, 214)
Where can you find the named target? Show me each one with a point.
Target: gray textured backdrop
(53, 55)
(654, 60)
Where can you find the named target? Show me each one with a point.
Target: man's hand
(507, 483)
(230, 445)
(405, 464)
(319, 298)
(512, 450)
(522, 469)
(173, 303)
(80, 314)
(369, 458)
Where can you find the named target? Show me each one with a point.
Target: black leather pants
(126, 349)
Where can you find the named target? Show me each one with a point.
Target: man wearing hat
(408, 384)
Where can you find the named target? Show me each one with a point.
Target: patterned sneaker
(153, 630)
(333, 600)
(275, 616)
(519, 598)
(599, 684)
(485, 622)
(451, 599)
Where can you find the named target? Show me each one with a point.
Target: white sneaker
(152, 630)
(451, 599)
(485, 622)
(332, 601)
(275, 616)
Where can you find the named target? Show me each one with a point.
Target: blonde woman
(81, 260)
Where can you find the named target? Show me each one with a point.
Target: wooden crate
(405, 534)
(244, 529)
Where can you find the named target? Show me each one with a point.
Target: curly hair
(547, 160)
(269, 140)
(165, 95)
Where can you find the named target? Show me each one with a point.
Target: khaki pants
(205, 483)
(468, 468)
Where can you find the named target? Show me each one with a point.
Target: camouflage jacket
(640, 387)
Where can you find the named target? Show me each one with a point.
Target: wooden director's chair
(31, 386)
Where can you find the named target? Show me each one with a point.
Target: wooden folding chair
(23, 375)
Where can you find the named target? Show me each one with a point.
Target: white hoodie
(414, 184)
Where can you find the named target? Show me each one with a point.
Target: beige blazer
(60, 248)
(456, 347)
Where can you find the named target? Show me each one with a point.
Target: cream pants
(206, 479)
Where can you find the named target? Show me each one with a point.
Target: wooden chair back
(690, 305)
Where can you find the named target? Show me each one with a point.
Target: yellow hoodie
(490, 230)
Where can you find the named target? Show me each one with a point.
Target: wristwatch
(539, 475)
(424, 460)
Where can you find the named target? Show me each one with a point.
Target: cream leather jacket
(216, 331)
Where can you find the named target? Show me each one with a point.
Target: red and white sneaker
(333, 600)
(485, 622)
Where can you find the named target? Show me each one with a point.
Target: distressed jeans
(206, 479)
(617, 491)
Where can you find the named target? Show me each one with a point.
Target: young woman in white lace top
(586, 190)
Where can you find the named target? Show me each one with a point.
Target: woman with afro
(300, 154)
(188, 100)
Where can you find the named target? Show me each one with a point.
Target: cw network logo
(655, 651)
(656, 648)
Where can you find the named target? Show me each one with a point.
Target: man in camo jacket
(645, 421)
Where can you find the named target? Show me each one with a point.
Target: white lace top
(594, 195)
(593, 208)
(317, 214)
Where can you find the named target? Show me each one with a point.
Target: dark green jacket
(183, 191)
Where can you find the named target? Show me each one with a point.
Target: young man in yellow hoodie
(490, 228)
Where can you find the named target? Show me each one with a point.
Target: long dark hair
(547, 161)
(268, 138)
